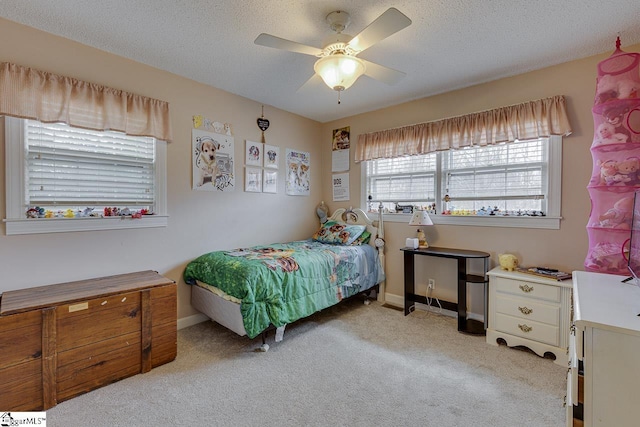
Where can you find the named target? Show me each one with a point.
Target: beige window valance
(40, 95)
(534, 119)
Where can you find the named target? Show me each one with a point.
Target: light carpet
(350, 365)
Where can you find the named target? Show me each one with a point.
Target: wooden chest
(62, 340)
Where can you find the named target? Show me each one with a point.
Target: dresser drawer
(527, 289)
(528, 309)
(529, 329)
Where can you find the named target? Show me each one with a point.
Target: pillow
(338, 233)
(363, 239)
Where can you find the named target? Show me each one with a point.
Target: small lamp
(421, 218)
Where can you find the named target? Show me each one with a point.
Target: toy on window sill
(35, 212)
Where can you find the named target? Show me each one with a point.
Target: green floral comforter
(284, 282)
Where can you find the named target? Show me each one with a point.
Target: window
(76, 176)
(513, 184)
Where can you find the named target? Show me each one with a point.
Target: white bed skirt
(227, 313)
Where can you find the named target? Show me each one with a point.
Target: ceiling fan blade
(278, 43)
(390, 22)
(314, 81)
(382, 73)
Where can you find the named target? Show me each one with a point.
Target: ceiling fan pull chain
(339, 97)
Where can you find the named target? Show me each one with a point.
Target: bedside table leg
(409, 279)
(462, 294)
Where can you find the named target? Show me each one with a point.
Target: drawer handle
(526, 288)
(525, 310)
(525, 328)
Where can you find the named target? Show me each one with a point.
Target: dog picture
(303, 176)
(293, 176)
(297, 173)
(212, 161)
(254, 153)
(206, 162)
(271, 156)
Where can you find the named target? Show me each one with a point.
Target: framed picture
(270, 181)
(341, 138)
(271, 156)
(254, 153)
(253, 180)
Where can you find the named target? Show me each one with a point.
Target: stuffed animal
(619, 216)
(508, 262)
(608, 170)
(628, 168)
(615, 114)
(610, 88)
(606, 134)
(606, 257)
(32, 213)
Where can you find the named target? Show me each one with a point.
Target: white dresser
(606, 339)
(530, 311)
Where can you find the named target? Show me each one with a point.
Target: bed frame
(227, 313)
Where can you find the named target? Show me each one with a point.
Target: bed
(257, 289)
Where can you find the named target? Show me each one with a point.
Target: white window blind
(409, 179)
(510, 176)
(522, 179)
(75, 167)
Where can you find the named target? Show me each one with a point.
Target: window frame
(15, 169)
(550, 221)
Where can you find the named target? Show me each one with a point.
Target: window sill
(62, 225)
(551, 223)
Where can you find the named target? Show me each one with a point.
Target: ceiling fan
(338, 64)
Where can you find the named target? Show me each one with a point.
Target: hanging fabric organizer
(616, 161)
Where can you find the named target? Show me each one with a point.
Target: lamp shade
(420, 218)
(339, 71)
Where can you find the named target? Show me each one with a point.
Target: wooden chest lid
(63, 293)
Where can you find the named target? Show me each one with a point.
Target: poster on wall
(298, 177)
(212, 162)
(340, 149)
(340, 187)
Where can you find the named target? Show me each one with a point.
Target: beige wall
(199, 221)
(565, 248)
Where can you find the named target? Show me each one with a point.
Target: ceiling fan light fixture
(339, 71)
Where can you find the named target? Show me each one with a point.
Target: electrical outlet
(432, 284)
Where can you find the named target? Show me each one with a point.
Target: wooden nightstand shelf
(530, 311)
(59, 341)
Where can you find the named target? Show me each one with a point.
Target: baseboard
(398, 301)
(185, 322)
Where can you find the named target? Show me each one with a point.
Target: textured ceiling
(451, 44)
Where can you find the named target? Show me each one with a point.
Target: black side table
(470, 326)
